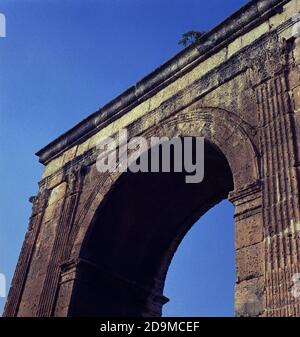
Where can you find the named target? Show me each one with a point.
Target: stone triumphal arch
(101, 243)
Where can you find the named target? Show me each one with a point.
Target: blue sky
(61, 61)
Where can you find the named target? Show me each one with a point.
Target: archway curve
(185, 124)
(216, 125)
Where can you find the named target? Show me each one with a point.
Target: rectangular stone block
(249, 231)
(82, 148)
(55, 180)
(255, 34)
(250, 262)
(52, 211)
(234, 47)
(55, 203)
(53, 166)
(57, 193)
(69, 154)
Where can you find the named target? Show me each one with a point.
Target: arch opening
(202, 275)
(135, 233)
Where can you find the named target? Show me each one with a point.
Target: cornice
(242, 21)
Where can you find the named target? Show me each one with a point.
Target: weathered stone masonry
(89, 248)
